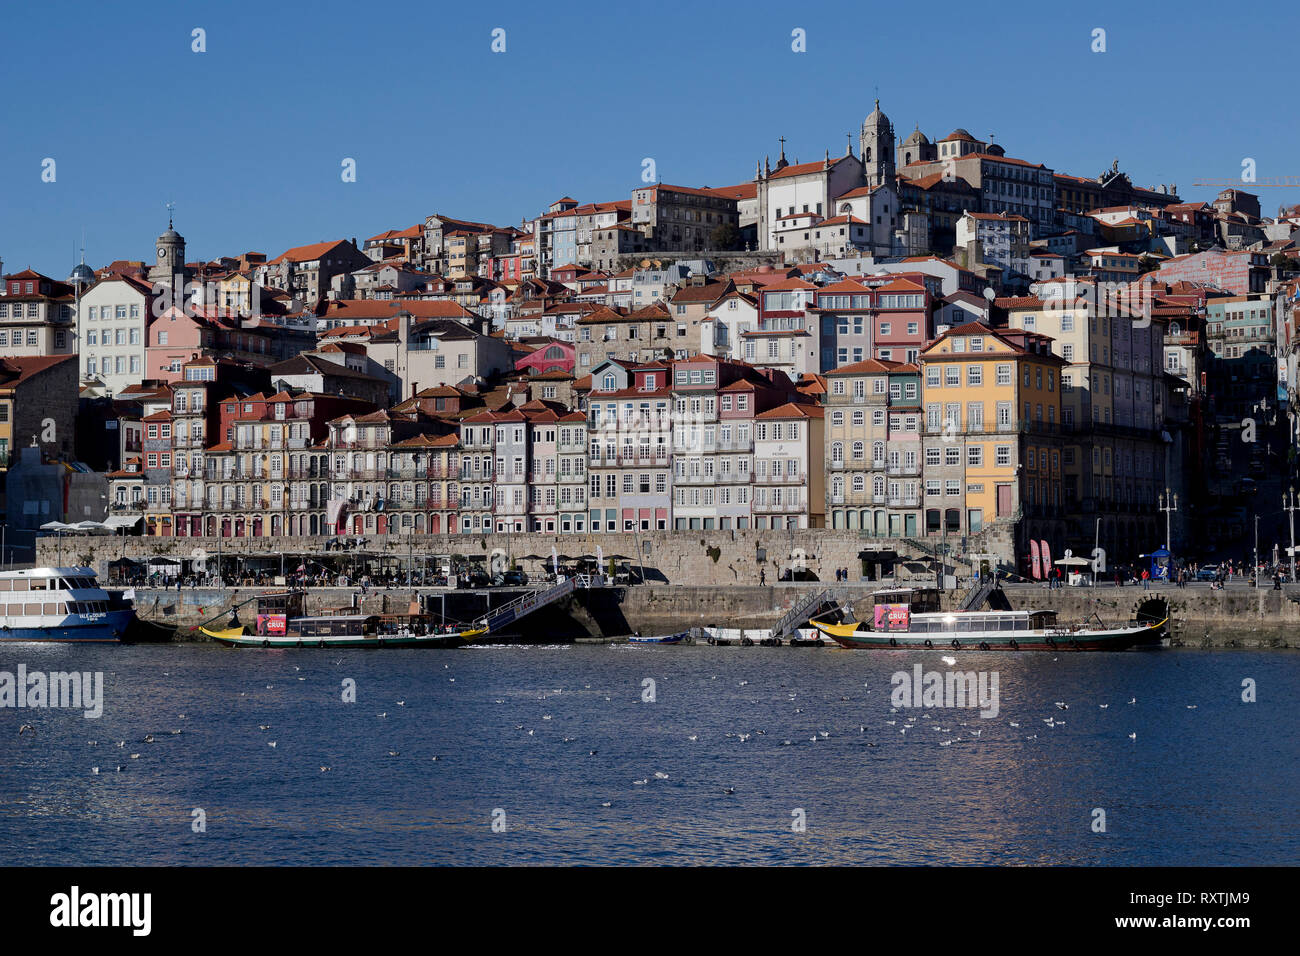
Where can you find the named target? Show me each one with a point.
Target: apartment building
(873, 452)
(789, 480)
(991, 442)
(629, 436)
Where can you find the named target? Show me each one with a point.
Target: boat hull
(108, 628)
(855, 637)
(231, 639)
(664, 639)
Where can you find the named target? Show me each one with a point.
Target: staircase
(976, 597)
(798, 615)
(498, 618)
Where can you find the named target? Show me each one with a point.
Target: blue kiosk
(1162, 564)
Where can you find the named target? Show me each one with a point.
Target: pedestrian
(1146, 580)
(762, 577)
(1117, 581)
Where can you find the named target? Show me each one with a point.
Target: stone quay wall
(1233, 617)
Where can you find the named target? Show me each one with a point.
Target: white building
(112, 331)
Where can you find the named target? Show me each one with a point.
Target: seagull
(121, 743)
(888, 723)
(660, 775)
(606, 804)
(948, 660)
(1133, 701)
(393, 753)
(94, 770)
(451, 680)
(1032, 737)
(325, 769)
(945, 743)
(976, 733)
(135, 756)
(175, 732)
(1061, 706)
(742, 683)
(546, 717)
(1103, 706)
(384, 714)
(824, 733)
(640, 783)
(693, 737)
(24, 728)
(1191, 706)
(270, 743)
(433, 758)
(728, 790)
(1133, 736)
(813, 738)
(92, 742)
(148, 738)
(263, 726)
(1014, 724)
(744, 737)
(785, 743)
(591, 753)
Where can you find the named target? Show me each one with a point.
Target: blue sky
(248, 137)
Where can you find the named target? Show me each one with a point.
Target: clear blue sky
(248, 137)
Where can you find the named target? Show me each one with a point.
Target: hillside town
(929, 342)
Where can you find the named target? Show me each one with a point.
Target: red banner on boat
(1033, 560)
(892, 617)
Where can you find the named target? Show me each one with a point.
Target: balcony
(779, 507)
(695, 479)
(904, 502)
(904, 469)
(780, 479)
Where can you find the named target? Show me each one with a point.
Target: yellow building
(992, 403)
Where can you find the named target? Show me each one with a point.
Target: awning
(113, 522)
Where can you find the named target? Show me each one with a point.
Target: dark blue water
(1210, 785)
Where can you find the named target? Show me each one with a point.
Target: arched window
(878, 485)
(859, 483)
(837, 451)
(608, 383)
(859, 450)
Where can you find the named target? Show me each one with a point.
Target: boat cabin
(917, 600)
(982, 622)
(341, 625)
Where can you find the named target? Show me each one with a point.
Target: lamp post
(1289, 506)
(1168, 504)
(1255, 570)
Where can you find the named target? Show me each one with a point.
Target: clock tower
(169, 257)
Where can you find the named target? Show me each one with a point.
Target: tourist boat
(677, 638)
(911, 618)
(281, 622)
(60, 604)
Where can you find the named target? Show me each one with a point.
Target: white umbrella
(600, 560)
(555, 561)
(1073, 562)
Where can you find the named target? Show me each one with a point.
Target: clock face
(161, 253)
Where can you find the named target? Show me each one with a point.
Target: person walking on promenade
(762, 578)
(1146, 580)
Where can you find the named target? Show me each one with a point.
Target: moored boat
(281, 622)
(60, 604)
(910, 618)
(677, 638)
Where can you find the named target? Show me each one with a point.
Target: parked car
(472, 579)
(510, 579)
(1208, 572)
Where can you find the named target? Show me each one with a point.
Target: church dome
(917, 139)
(876, 118)
(996, 150)
(961, 134)
(82, 274)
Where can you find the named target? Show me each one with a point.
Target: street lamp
(1289, 506)
(1168, 504)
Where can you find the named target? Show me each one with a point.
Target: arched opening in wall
(434, 524)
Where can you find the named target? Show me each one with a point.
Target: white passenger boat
(59, 604)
